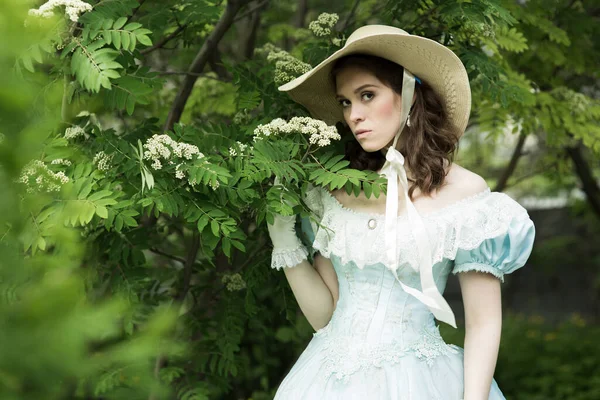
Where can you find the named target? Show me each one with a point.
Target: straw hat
(427, 59)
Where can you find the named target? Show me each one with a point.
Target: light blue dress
(382, 343)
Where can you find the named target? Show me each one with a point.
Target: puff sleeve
(501, 254)
(308, 225)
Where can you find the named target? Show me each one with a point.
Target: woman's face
(369, 105)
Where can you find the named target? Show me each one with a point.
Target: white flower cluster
(322, 26)
(163, 147)
(61, 161)
(233, 151)
(287, 67)
(103, 161)
(73, 8)
(266, 49)
(233, 282)
(38, 177)
(318, 131)
(74, 132)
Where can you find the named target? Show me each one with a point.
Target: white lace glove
(288, 250)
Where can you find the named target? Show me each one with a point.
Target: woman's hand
(288, 250)
(283, 231)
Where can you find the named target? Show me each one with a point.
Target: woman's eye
(367, 94)
(343, 103)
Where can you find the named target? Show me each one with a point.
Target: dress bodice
(375, 320)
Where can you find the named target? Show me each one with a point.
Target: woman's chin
(371, 147)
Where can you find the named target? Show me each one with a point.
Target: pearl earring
(408, 120)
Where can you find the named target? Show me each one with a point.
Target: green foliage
(539, 360)
(87, 271)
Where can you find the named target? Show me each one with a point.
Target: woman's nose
(356, 114)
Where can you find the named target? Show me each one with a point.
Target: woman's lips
(362, 134)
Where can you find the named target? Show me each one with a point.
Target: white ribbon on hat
(393, 168)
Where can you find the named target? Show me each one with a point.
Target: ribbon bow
(393, 168)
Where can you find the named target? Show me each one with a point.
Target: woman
(380, 268)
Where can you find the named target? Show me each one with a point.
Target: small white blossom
(317, 131)
(322, 26)
(103, 161)
(61, 161)
(36, 176)
(74, 132)
(179, 174)
(73, 8)
(215, 186)
(336, 41)
(241, 147)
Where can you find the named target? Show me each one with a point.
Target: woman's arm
(483, 320)
(312, 291)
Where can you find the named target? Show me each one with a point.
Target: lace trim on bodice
(343, 356)
(461, 225)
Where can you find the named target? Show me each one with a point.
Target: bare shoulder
(463, 182)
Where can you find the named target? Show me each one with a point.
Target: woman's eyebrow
(358, 89)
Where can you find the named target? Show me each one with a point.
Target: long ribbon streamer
(394, 169)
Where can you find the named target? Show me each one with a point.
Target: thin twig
(171, 256)
(192, 74)
(164, 40)
(350, 16)
(249, 12)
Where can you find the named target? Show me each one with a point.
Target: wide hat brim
(427, 59)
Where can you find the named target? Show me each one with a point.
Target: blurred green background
(130, 273)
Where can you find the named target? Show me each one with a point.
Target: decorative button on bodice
(372, 223)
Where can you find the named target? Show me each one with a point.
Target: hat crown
(370, 30)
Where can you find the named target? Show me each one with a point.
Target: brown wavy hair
(429, 140)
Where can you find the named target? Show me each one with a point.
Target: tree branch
(135, 10)
(588, 182)
(350, 16)
(244, 15)
(164, 40)
(190, 260)
(192, 74)
(301, 13)
(170, 256)
(200, 61)
(512, 165)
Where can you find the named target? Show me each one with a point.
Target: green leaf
(202, 222)
(214, 226)
(116, 39)
(145, 40)
(226, 245)
(101, 211)
(119, 23)
(132, 26)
